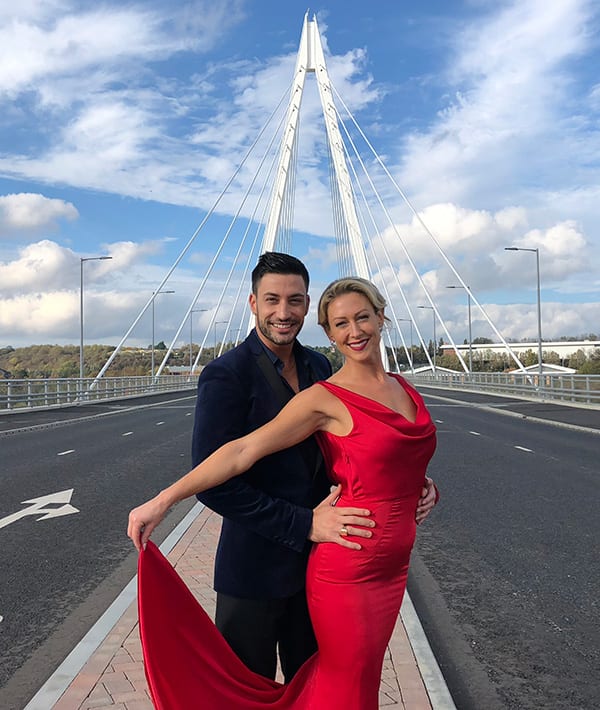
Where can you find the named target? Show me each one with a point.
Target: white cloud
(474, 242)
(510, 218)
(27, 212)
(47, 266)
(519, 321)
(126, 254)
(49, 316)
(506, 122)
(117, 126)
(36, 44)
(43, 265)
(325, 257)
(562, 247)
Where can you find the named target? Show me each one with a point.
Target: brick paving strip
(113, 678)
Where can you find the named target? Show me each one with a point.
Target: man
(273, 512)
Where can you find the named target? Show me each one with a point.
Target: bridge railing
(583, 389)
(62, 392)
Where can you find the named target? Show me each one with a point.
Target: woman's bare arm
(302, 416)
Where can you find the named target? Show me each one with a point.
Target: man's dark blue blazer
(267, 511)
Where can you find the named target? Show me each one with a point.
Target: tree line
(45, 361)
(490, 361)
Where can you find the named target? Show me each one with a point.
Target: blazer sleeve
(220, 417)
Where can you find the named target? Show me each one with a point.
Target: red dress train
(353, 596)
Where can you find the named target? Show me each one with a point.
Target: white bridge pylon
(311, 60)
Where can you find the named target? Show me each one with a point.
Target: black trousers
(257, 628)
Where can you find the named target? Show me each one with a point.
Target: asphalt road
(506, 572)
(505, 575)
(60, 574)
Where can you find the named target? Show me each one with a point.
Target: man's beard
(274, 336)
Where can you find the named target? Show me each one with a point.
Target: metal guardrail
(61, 392)
(582, 389)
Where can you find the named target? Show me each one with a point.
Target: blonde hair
(349, 284)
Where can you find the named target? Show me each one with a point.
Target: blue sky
(120, 123)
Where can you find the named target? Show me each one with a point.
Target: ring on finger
(344, 531)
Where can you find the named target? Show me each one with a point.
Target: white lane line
(159, 423)
(64, 453)
(127, 433)
(522, 448)
(475, 433)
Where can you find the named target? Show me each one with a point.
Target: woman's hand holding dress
(143, 520)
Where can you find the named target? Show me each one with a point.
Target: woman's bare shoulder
(317, 395)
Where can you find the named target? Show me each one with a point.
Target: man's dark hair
(274, 262)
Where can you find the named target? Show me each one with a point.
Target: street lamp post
(393, 343)
(82, 259)
(234, 332)
(432, 309)
(217, 322)
(412, 369)
(196, 310)
(539, 304)
(468, 290)
(154, 294)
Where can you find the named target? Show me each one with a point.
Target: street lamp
(393, 343)
(468, 290)
(218, 322)
(432, 309)
(196, 310)
(539, 304)
(154, 294)
(82, 259)
(409, 320)
(234, 332)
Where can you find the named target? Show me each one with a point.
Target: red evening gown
(354, 596)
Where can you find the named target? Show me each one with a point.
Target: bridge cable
(435, 241)
(407, 254)
(187, 246)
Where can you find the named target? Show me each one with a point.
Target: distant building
(563, 348)
(547, 369)
(183, 370)
(429, 368)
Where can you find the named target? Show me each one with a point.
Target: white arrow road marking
(58, 512)
(64, 453)
(522, 448)
(37, 508)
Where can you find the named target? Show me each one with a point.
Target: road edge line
(56, 685)
(433, 678)
(517, 415)
(88, 417)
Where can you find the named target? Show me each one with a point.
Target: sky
(121, 123)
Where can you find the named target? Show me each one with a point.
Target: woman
(377, 439)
